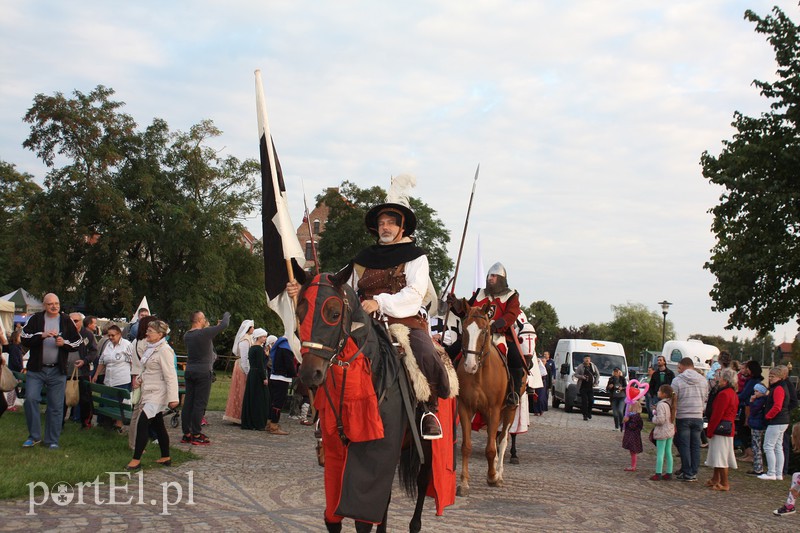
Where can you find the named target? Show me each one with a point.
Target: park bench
(110, 401)
(22, 377)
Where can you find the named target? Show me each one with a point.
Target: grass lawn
(84, 455)
(219, 391)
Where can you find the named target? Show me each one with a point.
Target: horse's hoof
(514, 461)
(415, 526)
(462, 491)
(496, 482)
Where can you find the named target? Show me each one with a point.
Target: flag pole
(310, 232)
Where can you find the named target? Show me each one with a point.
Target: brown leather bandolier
(389, 281)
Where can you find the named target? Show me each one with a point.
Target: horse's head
(326, 310)
(476, 338)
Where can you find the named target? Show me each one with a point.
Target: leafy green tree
(544, 318)
(126, 213)
(16, 190)
(756, 259)
(634, 326)
(646, 323)
(345, 234)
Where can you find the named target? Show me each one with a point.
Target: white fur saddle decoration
(422, 389)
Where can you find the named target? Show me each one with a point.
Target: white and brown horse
(483, 385)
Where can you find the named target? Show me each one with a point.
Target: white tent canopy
(7, 316)
(141, 305)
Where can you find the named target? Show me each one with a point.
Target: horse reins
(479, 354)
(344, 364)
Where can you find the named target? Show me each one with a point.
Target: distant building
(310, 239)
(784, 351)
(247, 240)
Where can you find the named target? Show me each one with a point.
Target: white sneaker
(767, 477)
(779, 478)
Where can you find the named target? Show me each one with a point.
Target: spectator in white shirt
(115, 364)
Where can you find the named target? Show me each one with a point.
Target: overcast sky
(588, 118)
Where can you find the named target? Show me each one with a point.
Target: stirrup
(438, 424)
(512, 399)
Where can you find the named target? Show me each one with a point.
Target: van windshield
(605, 363)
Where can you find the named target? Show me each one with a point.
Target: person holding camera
(616, 391)
(660, 375)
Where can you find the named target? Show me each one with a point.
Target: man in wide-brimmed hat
(393, 279)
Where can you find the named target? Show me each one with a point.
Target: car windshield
(604, 362)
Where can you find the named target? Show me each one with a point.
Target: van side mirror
(565, 369)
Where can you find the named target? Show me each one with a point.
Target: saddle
(419, 383)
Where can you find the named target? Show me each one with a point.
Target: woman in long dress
(241, 345)
(255, 407)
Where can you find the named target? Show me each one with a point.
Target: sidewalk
(570, 478)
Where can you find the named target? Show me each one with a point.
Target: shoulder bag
(72, 393)
(724, 429)
(7, 380)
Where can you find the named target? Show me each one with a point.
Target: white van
(699, 353)
(569, 355)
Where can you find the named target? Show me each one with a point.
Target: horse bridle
(486, 334)
(315, 348)
(329, 354)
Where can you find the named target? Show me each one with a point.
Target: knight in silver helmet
(503, 311)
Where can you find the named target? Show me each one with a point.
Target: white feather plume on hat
(400, 189)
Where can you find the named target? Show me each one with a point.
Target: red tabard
(360, 418)
(442, 486)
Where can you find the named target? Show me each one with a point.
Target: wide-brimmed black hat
(406, 217)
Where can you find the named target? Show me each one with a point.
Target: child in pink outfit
(794, 490)
(632, 437)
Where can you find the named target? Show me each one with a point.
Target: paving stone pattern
(570, 478)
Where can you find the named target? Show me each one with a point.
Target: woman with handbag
(158, 382)
(720, 431)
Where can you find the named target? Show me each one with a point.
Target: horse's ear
(342, 276)
(486, 307)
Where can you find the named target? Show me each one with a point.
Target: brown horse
(483, 386)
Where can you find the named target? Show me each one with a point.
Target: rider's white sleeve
(408, 301)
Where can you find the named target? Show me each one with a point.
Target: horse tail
(409, 469)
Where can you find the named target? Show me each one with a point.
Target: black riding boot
(333, 527)
(516, 379)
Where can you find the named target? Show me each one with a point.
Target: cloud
(588, 118)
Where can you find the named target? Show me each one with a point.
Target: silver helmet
(498, 270)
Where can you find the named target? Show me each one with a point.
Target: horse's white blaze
(471, 361)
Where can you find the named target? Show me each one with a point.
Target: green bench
(22, 377)
(181, 382)
(112, 406)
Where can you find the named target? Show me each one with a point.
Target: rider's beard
(388, 238)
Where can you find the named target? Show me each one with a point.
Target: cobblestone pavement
(571, 479)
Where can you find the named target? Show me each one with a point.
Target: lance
(452, 282)
(464, 233)
(310, 232)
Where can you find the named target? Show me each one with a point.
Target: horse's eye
(332, 311)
